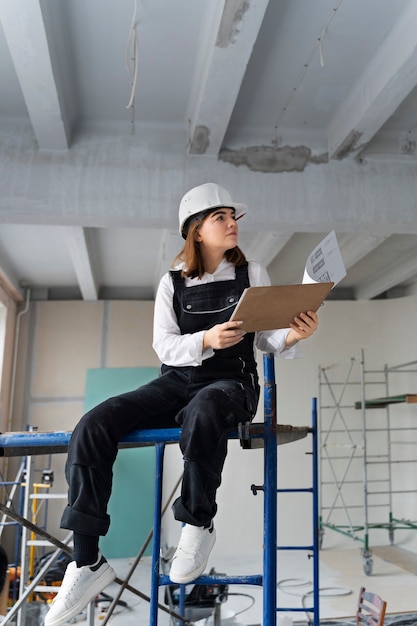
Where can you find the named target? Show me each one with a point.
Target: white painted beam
(265, 246)
(376, 199)
(82, 261)
(354, 247)
(385, 82)
(400, 272)
(25, 34)
(224, 62)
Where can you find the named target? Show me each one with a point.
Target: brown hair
(192, 259)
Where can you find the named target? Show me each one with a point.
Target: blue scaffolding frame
(36, 443)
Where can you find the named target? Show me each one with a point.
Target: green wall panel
(131, 502)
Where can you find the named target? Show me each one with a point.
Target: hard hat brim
(240, 211)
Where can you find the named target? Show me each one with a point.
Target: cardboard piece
(268, 308)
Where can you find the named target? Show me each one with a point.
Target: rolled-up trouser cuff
(182, 514)
(84, 524)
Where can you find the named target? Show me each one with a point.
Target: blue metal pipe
(37, 442)
(250, 579)
(270, 494)
(316, 524)
(156, 537)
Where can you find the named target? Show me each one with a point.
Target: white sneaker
(80, 585)
(191, 556)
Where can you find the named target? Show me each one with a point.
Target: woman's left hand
(302, 327)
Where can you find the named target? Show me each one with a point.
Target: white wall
(384, 330)
(64, 339)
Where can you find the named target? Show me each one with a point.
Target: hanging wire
(410, 144)
(132, 50)
(323, 32)
(318, 45)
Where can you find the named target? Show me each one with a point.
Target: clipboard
(269, 308)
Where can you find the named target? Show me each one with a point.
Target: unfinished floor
(341, 576)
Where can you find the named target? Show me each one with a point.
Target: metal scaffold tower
(365, 450)
(267, 435)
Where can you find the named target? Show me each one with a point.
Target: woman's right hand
(223, 335)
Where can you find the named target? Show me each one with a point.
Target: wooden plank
(398, 556)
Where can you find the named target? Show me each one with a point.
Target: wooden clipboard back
(268, 308)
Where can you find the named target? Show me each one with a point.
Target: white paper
(325, 263)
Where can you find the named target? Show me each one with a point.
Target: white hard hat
(204, 198)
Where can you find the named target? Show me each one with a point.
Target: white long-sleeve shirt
(179, 350)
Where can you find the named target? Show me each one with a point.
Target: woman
(208, 384)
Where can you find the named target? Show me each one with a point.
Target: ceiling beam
(81, 187)
(400, 272)
(82, 261)
(265, 246)
(383, 85)
(227, 51)
(354, 247)
(25, 34)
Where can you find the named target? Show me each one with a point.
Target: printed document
(325, 263)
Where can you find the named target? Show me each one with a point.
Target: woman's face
(219, 230)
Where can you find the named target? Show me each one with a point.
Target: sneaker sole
(101, 583)
(183, 580)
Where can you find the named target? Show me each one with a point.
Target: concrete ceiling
(111, 109)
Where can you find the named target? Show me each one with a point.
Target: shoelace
(70, 582)
(193, 541)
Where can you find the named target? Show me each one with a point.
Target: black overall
(206, 401)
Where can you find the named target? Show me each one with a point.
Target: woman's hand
(223, 335)
(302, 327)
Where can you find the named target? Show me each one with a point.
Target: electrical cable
(335, 591)
(292, 582)
(323, 32)
(318, 45)
(243, 595)
(323, 591)
(133, 49)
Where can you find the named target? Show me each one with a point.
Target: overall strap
(179, 286)
(216, 300)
